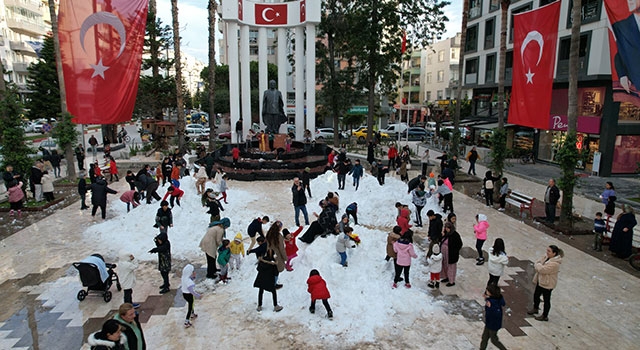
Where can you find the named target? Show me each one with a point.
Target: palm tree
(68, 149)
(213, 6)
(569, 152)
(177, 62)
(463, 42)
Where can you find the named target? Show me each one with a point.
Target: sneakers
(437, 285)
(259, 308)
(187, 324)
(500, 209)
(277, 308)
(532, 312)
(11, 212)
(330, 314)
(194, 315)
(164, 290)
(394, 286)
(278, 286)
(431, 285)
(407, 285)
(312, 310)
(450, 284)
(444, 280)
(542, 318)
(136, 305)
(480, 262)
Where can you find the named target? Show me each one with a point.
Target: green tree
(66, 132)
(42, 81)
(375, 35)
(13, 151)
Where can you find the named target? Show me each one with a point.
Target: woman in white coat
(127, 273)
(498, 259)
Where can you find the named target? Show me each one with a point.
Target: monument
(273, 109)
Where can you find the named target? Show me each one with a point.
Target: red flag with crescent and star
(270, 14)
(535, 34)
(101, 46)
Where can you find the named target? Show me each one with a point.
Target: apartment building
(440, 73)
(22, 25)
(603, 125)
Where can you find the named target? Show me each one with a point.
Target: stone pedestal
(279, 141)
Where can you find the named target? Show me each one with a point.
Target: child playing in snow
(15, 197)
(352, 210)
(113, 169)
(164, 218)
(267, 272)
(237, 251)
(318, 290)
(174, 193)
(404, 250)
(494, 302)
(163, 248)
(224, 188)
(260, 249)
(435, 266)
(127, 270)
(290, 246)
(480, 230)
(344, 242)
(209, 200)
(224, 254)
(131, 197)
(392, 238)
(189, 292)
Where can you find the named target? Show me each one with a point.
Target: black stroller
(97, 276)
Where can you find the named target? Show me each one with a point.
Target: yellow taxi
(361, 134)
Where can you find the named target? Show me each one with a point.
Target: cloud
(193, 17)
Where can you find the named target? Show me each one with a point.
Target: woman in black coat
(266, 279)
(99, 191)
(450, 247)
(622, 235)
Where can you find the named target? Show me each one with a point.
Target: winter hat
(435, 249)
(238, 237)
(431, 175)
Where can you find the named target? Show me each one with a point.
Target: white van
(394, 129)
(431, 126)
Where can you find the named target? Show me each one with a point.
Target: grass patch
(635, 199)
(27, 204)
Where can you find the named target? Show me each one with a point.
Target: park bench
(522, 201)
(610, 222)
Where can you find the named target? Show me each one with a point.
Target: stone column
(299, 81)
(311, 81)
(234, 75)
(262, 72)
(245, 84)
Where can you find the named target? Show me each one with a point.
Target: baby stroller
(97, 276)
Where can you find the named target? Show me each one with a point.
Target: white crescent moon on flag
(106, 18)
(264, 14)
(532, 36)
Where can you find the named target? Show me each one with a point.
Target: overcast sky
(194, 30)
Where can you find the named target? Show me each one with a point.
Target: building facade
(23, 23)
(603, 125)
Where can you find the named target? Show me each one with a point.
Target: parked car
(326, 133)
(465, 133)
(361, 134)
(225, 135)
(27, 126)
(198, 131)
(394, 129)
(416, 134)
(431, 126)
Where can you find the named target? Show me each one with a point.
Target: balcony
(25, 27)
(31, 5)
(22, 47)
(20, 67)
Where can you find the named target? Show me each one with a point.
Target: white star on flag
(98, 69)
(529, 76)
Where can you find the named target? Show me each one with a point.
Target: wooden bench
(522, 201)
(610, 223)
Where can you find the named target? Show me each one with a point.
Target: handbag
(408, 165)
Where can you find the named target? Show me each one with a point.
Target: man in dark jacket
(551, 197)
(415, 182)
(306, 180)
(299, 201)
(35, 180)
(82, 190)
(255, 229)
(164, 217)
(435, 226)
(99, 191)
(342, 168)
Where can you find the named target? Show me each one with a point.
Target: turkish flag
(271, 14)
(101, 47)
(534, 55)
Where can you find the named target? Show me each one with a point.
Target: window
(454, 77)
(590, 11)
(490, 69)
(253, 50)
(429, 78)
(428, 96)
(565, 47)
(471, 44)
(524, 8)
(271, 50)
(471, 71)
(441, 56)
(453, 54)
(494, 5)
(489, 33)
(440, 76)
(439, 94)
(429, 58)
(475, 8)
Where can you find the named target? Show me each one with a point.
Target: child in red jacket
(318, 290)
(113, 169)
(290, 246)
(175, 193)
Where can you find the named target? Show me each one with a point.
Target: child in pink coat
(480, 229)
(404, 250)
(15, 197)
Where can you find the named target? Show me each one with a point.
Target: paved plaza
(594, 305)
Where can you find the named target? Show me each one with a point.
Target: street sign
(358, 110)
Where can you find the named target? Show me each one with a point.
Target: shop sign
(586, 124)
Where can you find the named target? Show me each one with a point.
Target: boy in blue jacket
(494, 302)
(224, 255)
